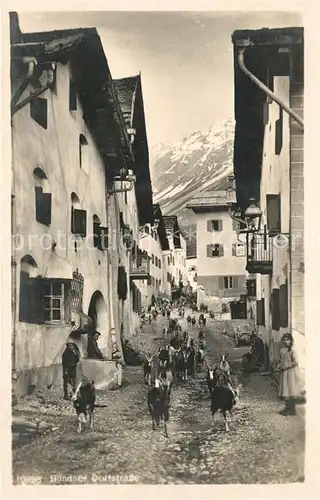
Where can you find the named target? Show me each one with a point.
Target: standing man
(70, 359)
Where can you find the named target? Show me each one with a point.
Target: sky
(185, 59)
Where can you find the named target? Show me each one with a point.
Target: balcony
(259, 253)
(140, 269)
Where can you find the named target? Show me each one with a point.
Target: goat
(84, 399)
(147, 366)
(193, 321)
(224, 365)
(222, 396)
(181, 364)
(158, 405)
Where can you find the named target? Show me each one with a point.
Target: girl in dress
(289, 375)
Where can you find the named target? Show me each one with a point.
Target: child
(289, 381)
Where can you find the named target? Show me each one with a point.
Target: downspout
(50, 80)
(263, 87)
(13, 285)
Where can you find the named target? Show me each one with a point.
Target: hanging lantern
(253, 216)
(127, 236)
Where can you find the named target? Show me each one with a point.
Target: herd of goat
(179, 359)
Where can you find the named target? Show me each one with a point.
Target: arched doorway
(99, 314)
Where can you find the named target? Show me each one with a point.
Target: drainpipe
(50, 80)
(242, 45)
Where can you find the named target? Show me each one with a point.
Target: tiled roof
(125, 88)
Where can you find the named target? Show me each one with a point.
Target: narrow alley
(262, 447)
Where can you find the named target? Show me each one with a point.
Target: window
(214, 225)
(215, 250)
(78, 217)
(72, 96)
(152, 258)
(159, 263)
(39, 111)
(146, 228)
(279, 133)
(53, 301)
(169, 260)
(228, 282)
(43, 199)
(273, 213)
(83, 153)
(238, 250)
(173, 260)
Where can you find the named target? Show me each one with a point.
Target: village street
(262, 446)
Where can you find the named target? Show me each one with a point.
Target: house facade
(69, 142)
(268, 165)
(154, 242)
(220, 255)
(176, 256)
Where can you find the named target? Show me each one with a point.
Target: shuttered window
(43, 206)
(214, 225)
(273, 213)
(39, 111)
(43, 300)
(215, 250)
(260, 312)
(283, 299)
(72, 96)
(103, 238)
(79, 222)
(275, 309)
(96, 234)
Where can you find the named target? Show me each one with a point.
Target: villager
(289, 375)
(254, 359)
(70, 359)
(93, 348)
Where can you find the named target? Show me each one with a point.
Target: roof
(172, 229)
(126, 91)
(263, 58)
(161, 227)
(209, 201)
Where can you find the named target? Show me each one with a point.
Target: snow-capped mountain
(198, 163)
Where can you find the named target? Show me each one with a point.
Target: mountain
(201, 162)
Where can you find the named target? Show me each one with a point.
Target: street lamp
(253, 216)
(124, 182)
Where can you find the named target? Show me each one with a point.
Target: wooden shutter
(221, 282)
(121, 221)
(25, 297)
(220, 225)
(67, 301)
(234, 249)
(260, 312)
(39, 111)
(79, 222)
(72, 96)
(221, 251)
(273, 213)
(96, 234)
(209, 250)
(275, 309)
(235, 283)
(283, 299)
(43, 206)
(209, 226)
(279, 133)
(103, 238)
(235, 225)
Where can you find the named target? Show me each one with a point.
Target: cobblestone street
(262, 447)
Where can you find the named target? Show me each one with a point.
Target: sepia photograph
(157, 247)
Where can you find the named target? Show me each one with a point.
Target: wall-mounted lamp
(124, 182)
(127, 236)
(253, 216)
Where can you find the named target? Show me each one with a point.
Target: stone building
(70, 141)
(175, 257)
(268, 167)
(154, 242)
(221, 275)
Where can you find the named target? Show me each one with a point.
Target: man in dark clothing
(93, 348)
(70, 359)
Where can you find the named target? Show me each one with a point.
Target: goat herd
(179, 358)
